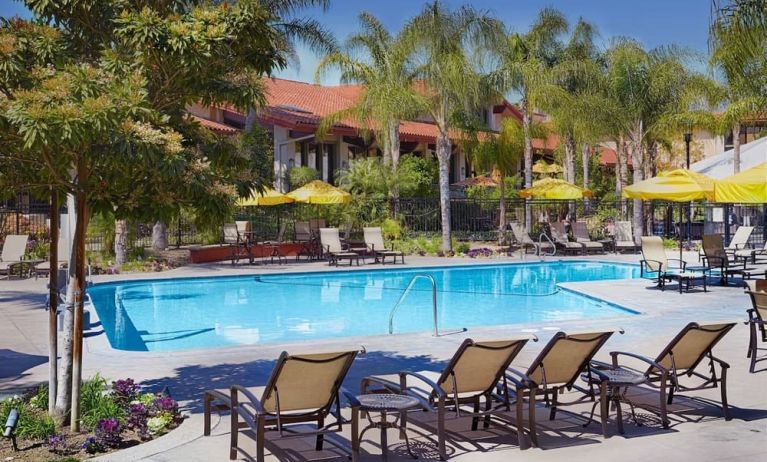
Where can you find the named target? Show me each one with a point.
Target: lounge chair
(623, 237)
(472, 375)
(717, 258)
(303, 231)
(44, 267)
(554, 371)
(757, 318)
(526, 242)
(334, 251)
(751, 254)
(581, 234)
(738, 245)
(561, 240)
(679, 359)
(237, 241)
(375, 245)
(275, 247)
(14, 248)
(301, 389)
(655, 262)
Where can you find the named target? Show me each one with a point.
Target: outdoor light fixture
(687, 140)
(166, 391)
(10, 426)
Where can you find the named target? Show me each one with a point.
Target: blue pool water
(177, 314)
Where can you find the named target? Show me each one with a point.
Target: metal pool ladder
(402, 297)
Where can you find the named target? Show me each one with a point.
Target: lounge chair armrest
(435, 388)
(742, 246)
(645, 359)
(387, 384)
(518, 378)
(259, 408)
(720, 362)
(682, 263)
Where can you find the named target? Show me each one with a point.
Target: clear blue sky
(652, 22)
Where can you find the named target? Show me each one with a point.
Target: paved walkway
(698, 434)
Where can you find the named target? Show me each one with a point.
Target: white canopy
(720, 166)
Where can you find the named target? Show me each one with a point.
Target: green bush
(33, 423)
(299, 176)
(462, 247)
(670, 243)
(417, 176)
(391, 229)
(96, 403)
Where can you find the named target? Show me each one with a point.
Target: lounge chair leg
(260, 438)
(320, 437)
(488, 406)
(604, 408)
(520, 421)
(725, 407)
(475, 419)
(234, 429)
(663, 412)
(531, 417)
(553, 411)
(355, 434)
(206, 414)
(441, 429)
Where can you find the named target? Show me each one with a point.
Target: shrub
(391, 229)
(462, 247)
(159, 424)
(109, 433)
(299, 176)
(481, 252)
(97, 404)
(40, 399)
(417, 176)
(33, 423)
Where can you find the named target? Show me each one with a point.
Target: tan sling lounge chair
(751, 254)
(44, 267)
(757, 318)
(655, 262)
(334, 251)
(679, 359)
(581, 234)
(375, 245)
(560, 238)
(717, 258)
(624, 237)
(556, 370)
(301, 389)
(526, 242)
(14, 248)
(470, 378)
(738, 245)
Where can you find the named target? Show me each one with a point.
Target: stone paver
(23, 350)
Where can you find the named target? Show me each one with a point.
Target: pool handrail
(415, 277)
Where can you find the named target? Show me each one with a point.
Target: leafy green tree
(379, 62)
(452, 85)
(301, 175)
(502, 154)
(418, 176)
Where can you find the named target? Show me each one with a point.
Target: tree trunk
(623, 172)
(502, 212)
(250, 119)
(736, 147)
(121, 242)
(443, 156)
(586, 160)
(159, 236)
(393, 146)
(569, 166)
(64, 389)
(78, 281)
(528, 158)
(53, 304)
(637, 160)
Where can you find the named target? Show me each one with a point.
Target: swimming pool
(178, 314)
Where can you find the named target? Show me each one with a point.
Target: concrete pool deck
(23, 362)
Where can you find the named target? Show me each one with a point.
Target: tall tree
(501, 154)
(379, 62)
(452, 85)
(738, 36)
(105, 119)
(525, 62)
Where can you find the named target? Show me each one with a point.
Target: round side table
(610, 382)
(384, 404)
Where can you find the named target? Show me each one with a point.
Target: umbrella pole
(679, 234)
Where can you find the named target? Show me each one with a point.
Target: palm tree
(452, 86)
(525, 64)
(501, 154)
(379, 62)
(738, 37)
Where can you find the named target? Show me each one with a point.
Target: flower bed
(115, 415)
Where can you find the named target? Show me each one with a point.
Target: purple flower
(57, 444)
(92, 446)
(165, 404)
(109, 432)
(125, 391)
(137, 420)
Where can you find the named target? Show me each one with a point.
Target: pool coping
(98, 342)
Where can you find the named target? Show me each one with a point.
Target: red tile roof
(609, 157)
(216, 127)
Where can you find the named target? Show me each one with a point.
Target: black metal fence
(471, 219)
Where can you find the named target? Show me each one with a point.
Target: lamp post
(687, 140)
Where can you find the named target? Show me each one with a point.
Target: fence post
(178, 231)
(18, 220)
(726, 224)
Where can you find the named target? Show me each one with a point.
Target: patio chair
(561, 240)
(237, 241)
(303, 231)
(275, 247)
(581, 234)
(526, 242)
(14, 248)
(716, 257)
(469, 378)
(555, 371)
(751, 254)
(655, 262)
(757, 317)
(375, 245)
(44, 267)
(333, 249)
(301, 389)
(679, 359)
(624, 237)
(738, 246)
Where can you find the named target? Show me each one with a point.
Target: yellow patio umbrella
(748, 186)
(319, 192)
(268, 197)
(678, 185)
(553, 188)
